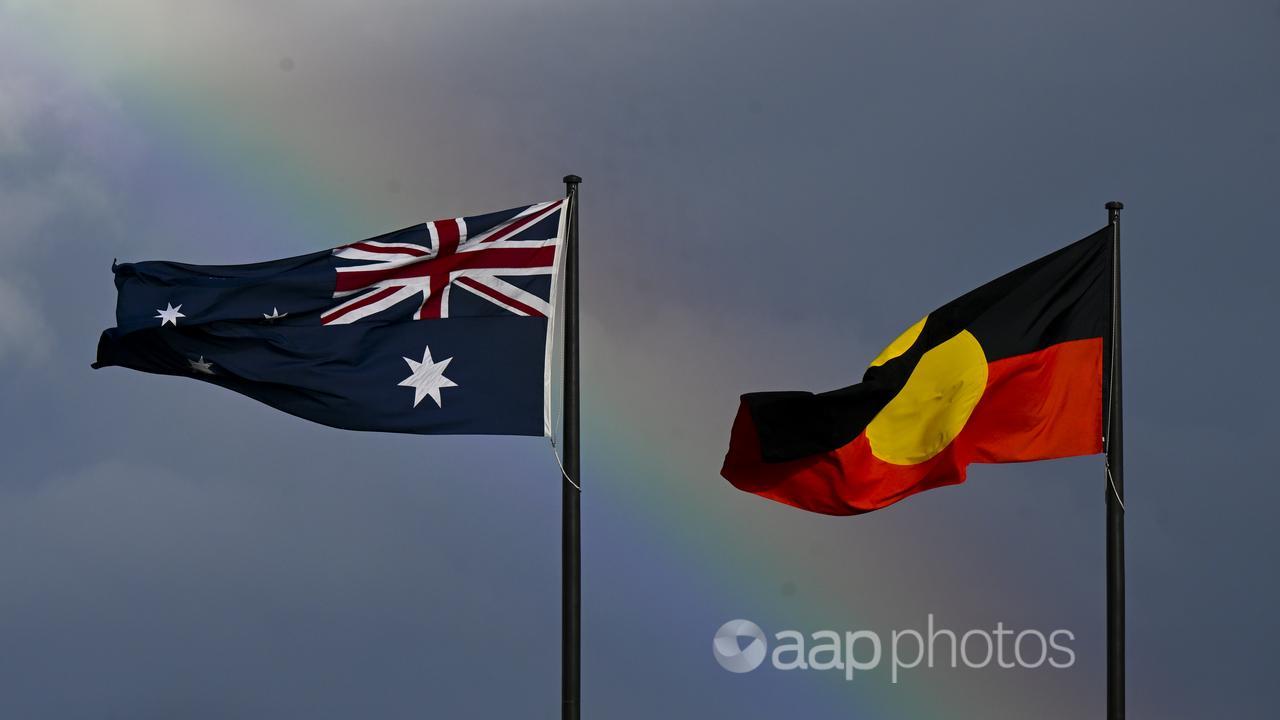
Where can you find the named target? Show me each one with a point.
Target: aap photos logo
(739, 646)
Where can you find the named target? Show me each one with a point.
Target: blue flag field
(440, 328)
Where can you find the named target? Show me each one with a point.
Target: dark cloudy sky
(773, 191)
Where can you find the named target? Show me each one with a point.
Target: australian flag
(440, 328)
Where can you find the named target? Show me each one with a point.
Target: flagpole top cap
(1115, 205)
(572, 179)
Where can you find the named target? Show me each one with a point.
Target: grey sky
(773, 191)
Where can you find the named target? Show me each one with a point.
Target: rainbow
(273, 182)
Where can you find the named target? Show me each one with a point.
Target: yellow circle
(900, 344)
(933, 406)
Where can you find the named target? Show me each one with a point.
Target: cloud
(23, 328)
(63, 144)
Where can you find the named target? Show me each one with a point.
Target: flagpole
(571, 531)
(1113, 432)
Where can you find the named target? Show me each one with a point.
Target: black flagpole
(571, 531)
(1113, 432)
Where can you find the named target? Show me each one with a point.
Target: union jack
(473, 254)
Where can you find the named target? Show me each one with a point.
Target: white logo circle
(732, 654)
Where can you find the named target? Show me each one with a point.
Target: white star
(169, 315)
(275, 315)
(427, 378)
(201, 366)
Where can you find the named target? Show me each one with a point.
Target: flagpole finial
(572, 179)
(1113, 211)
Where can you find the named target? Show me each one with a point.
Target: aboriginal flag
(1010, 372)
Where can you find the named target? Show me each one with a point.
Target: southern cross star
(275, 315)
(427, 378)
(201, 366)
(169, 315)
